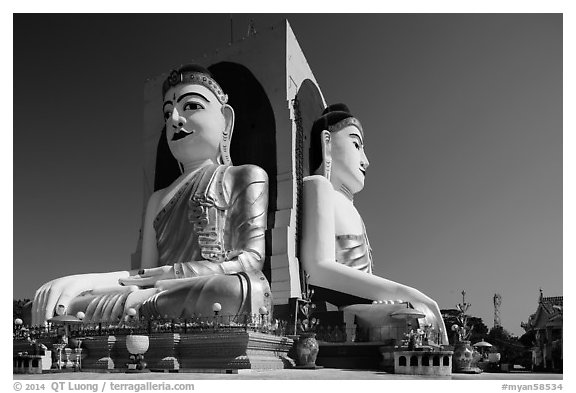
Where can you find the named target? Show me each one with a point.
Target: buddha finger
(114, 289)
(51, 299)
(38, 305)
(126, 281)
(90, 310)
(42, 303)
(118, 308)
(135, 298)
(132, 280)
(67, 295)
(111, 302)
(155, 271)
(140, 281)
(35, 307)
(98, 311)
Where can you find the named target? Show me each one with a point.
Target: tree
(510, 347)
(479, 330)
(499, 334)
(18, 309)
(476, 326)
(528, 339)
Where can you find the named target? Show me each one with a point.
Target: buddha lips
(181, 135)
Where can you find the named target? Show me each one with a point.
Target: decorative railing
(210, 324)
(195, 324)
(383, 334)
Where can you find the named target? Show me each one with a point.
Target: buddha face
(194, 123)
(349, 162)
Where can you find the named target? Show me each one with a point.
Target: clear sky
(462, 117)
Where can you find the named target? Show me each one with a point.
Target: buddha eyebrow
(354, 136)
(192, 94)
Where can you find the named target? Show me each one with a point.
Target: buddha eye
(167, 114)
(192, 106)
(356, 145)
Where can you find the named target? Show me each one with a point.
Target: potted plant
(307, 346)
(463, 357)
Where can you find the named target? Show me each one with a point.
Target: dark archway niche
(311, 106)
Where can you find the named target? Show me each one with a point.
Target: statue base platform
(163, 352)
(135, 371)
(471, 370)
(350, 355)
(104, 353)
(308, 367)
(207, 351)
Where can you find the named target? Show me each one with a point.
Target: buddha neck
(193, 166)
(345, 191)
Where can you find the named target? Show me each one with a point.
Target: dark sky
(463, 123)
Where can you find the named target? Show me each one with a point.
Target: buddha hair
(333, 119)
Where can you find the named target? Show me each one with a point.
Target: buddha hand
(433, 316)
(149, 277)
(55, 296)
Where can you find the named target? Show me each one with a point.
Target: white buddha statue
(203, 235)
(335, 252)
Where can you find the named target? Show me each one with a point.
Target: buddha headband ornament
(349, 121)
(196, 78)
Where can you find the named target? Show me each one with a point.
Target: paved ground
(289, 374)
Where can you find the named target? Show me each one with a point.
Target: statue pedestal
(162, 354)
(359, 355)
(232, 350)
(207, 351)
(104, 353)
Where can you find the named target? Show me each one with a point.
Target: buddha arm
(318, 253)
(245, 225)
(149, 247)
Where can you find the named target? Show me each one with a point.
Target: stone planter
(307, 350)
(137, 345)
(462, 360)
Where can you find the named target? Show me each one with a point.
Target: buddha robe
(213, 232)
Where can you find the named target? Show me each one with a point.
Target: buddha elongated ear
(326, 144)
(228, 113)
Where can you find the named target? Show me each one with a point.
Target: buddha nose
(177, 120)
(364, 163)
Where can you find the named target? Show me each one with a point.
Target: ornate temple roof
(549, 313)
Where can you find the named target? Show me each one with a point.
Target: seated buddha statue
(203, 236)
(335, 252)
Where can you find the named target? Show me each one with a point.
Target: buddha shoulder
(238, 178)
(155, 200)
(318, 182)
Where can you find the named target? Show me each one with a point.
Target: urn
(307, 350)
